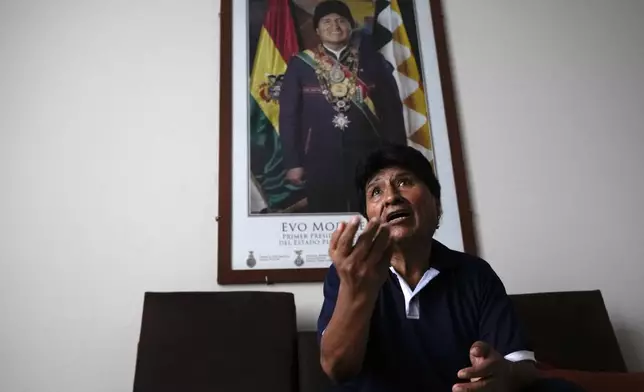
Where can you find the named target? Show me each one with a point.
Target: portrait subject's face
(334, 29)
(403, 202)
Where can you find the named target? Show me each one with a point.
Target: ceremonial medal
(339, 90)
(336, 75)
(339, 85)
(341, 121)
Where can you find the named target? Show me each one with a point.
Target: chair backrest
(217, 341)
(311, 375)
(570, 330)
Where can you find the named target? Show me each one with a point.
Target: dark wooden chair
(222, 341)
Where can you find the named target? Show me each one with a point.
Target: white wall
(552, 106)
(108, 141)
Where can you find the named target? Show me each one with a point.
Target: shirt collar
(439, 259)
(336, 53)
(430, 274)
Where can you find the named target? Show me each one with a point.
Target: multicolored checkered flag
(392, 41)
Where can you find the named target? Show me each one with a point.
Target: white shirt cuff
(522, 355)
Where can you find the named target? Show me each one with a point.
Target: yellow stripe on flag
(422, 136)
(416, 100)
(268, 61)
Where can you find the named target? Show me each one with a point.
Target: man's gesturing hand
(489, 371)
(362, 267)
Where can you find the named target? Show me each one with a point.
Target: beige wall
(108, 167)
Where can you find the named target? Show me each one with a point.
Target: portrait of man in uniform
(338, 102)
(343, 87)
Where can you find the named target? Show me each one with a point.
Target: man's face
(403, 202)
(334, 29)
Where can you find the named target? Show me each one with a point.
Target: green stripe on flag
(266, 161)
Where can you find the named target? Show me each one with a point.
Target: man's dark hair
(332, 7)
(401, 156)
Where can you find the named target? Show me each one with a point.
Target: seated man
(401, 311)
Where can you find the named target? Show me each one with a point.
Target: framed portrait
(308, 89)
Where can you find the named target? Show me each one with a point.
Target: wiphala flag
(392, 40)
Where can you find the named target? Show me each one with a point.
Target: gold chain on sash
(337, 87)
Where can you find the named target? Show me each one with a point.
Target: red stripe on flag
(279, 24)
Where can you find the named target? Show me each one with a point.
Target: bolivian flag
(277, 43)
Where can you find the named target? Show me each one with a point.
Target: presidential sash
(360, 100)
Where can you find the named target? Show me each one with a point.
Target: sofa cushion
(223, 341)
(559, 327)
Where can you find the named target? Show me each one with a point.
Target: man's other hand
(362, 267)
(489, 371)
